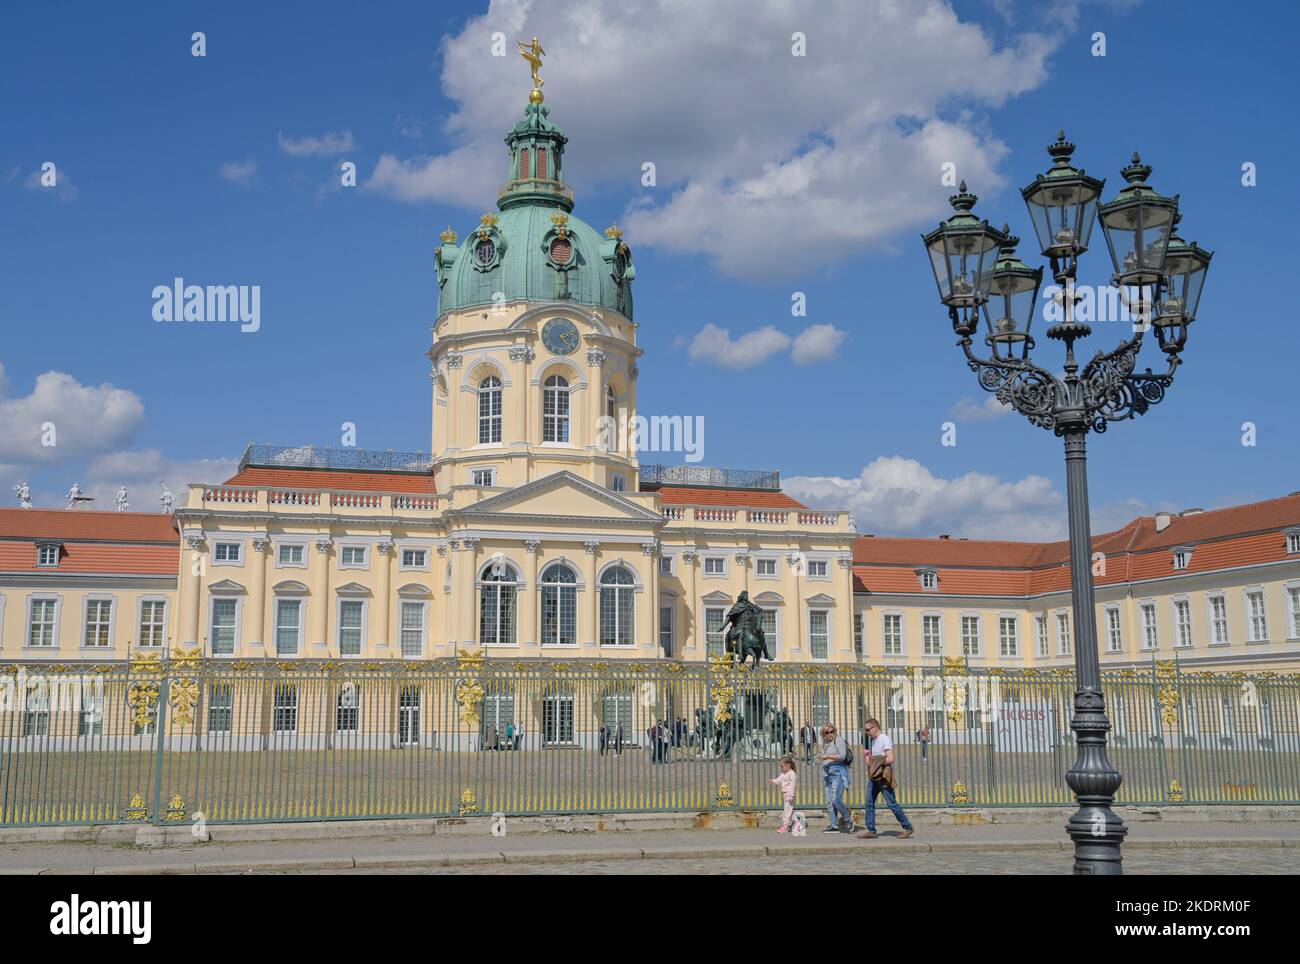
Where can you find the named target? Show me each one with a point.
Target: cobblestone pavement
(1209, 860)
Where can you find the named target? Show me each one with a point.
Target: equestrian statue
(743, 630)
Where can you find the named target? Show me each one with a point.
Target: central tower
(534, 348)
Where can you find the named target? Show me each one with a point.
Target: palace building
(529, 530)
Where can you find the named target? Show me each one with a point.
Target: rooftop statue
(24, 492)
(532, 52)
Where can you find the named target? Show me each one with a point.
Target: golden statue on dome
(533, 53)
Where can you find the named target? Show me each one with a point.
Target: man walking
(880, 773)
(807, 738)
(836, 778)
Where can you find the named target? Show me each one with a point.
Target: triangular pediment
(352, 589)
(226, 587)
(562, 495)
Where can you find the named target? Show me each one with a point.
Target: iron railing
(709, 476)
(323, 457)
(166, 740)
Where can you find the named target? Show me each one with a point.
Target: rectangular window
(1114, 633)
(541, 164)
(285, 714)
(40, 627)
(821, 706)
(858, 619)
(226, 551)
(288, 622)
(665, 565)
(36, 711)
(1040, 627)
(931, 639)
(929, 580)
(1182, 558)
(90, 718)
(557, 719)
(765, 567)
(713, 620)
(1294, 596)
(715, 565)
(99, 617)
(771, 633)
(221, 708)
(1183, 622)
(1062, 634)
(47, 555)
(1008, 636)
(152, 624)
(970, 636)
(1150, 637)
(893, 634)
(414, 558)
(617, 483)
(222, 632)
(816, 568)
(1255, 614)
(290, 555)
(1219, 619)
(485, 478)
(1293, 542)
(351, 612)
(408, 716)
(347, 711)
(525, 169)
(412, 629)
(353, 556)
(666, 631)
(818, 634)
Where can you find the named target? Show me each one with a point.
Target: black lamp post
(1162, 277)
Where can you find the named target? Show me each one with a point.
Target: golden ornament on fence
(1176, 794)
(136, 810)
(724, 797)
(176, 810)
(959, 796)
(468, 803)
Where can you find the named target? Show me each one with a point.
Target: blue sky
(775, 174)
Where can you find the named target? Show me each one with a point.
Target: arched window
(611, 403)
(555, 409)
(559, 606)
(489, 410)
(497, 592)
(616, 610)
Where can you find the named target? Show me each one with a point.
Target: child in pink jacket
(787, 781)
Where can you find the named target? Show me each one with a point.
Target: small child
(787, 781)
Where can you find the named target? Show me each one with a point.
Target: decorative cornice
(691, 556)
(742, 558)
(261, 544)
(595, 357)
(533, 545)
(650, 548)
(845, 562)
(384, 548)
(323, 546)
(194, 542)
(590, 547)
(455, 359)
(470, 542)
(521, 353)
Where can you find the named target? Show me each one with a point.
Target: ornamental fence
(186, 738)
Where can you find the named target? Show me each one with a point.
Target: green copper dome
(535, 249)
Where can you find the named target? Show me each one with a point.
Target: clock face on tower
(560, 336)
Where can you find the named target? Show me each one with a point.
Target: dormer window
(47, 554)
(1182, 557)
(929, 578)
(1293, 542)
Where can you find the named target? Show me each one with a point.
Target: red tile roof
(1221, 538)
(748, 498)
(106, 543)
(337, 480)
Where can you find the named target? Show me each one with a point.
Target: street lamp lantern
(1009, 308)
(962, 250)
(1169, 275)
(1062, 207)
(1137, 224)
(1185, 269)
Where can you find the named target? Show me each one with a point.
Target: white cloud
(901, 497)
(714, 345)
(63, 187)
(143, 471)
(238, 172)
(971, 410)
(326, 145)
(766, 162)
(816, 343)
(87, 420)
